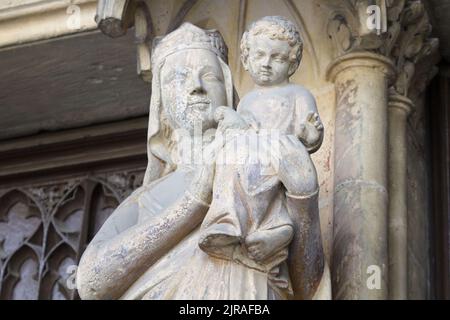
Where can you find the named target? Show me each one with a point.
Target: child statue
(248, 221)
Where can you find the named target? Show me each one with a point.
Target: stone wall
(419, 204)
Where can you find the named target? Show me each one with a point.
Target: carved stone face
(192, 86)
(268, 60)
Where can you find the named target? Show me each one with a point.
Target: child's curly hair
(276, 27)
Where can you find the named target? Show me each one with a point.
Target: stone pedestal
(399, 108)
(360, 179)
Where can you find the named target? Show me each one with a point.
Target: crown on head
(188, 36)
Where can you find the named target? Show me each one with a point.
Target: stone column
(399, 108)
(360, 253)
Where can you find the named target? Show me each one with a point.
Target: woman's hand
(228, 118)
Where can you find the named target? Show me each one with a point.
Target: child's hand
(228, 119)
(262, 244)
(311, 131)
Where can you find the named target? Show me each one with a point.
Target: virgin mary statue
(148, 248)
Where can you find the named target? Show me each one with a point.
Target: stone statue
(190, 79)
(268, 173)
(157, 240)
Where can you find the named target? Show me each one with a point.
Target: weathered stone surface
(69, 83)
(399, 109)
(351, 172)
(25, 21)
(270, 233)
(361, 199)
(418, 202)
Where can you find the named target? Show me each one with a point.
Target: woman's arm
(110, 265)
(306, 257)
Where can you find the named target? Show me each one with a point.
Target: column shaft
(360, 254)
(399, 108)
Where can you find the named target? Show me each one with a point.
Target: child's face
(268, 60)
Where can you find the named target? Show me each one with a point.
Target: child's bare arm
(309, 126)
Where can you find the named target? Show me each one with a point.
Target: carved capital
(397, 29)
(413, 47)
(373, 61)
(348, 26)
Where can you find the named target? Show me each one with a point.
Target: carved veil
(159, 142)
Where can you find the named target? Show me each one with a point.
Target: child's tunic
(247, 193)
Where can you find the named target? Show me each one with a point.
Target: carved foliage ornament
(404, 34)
